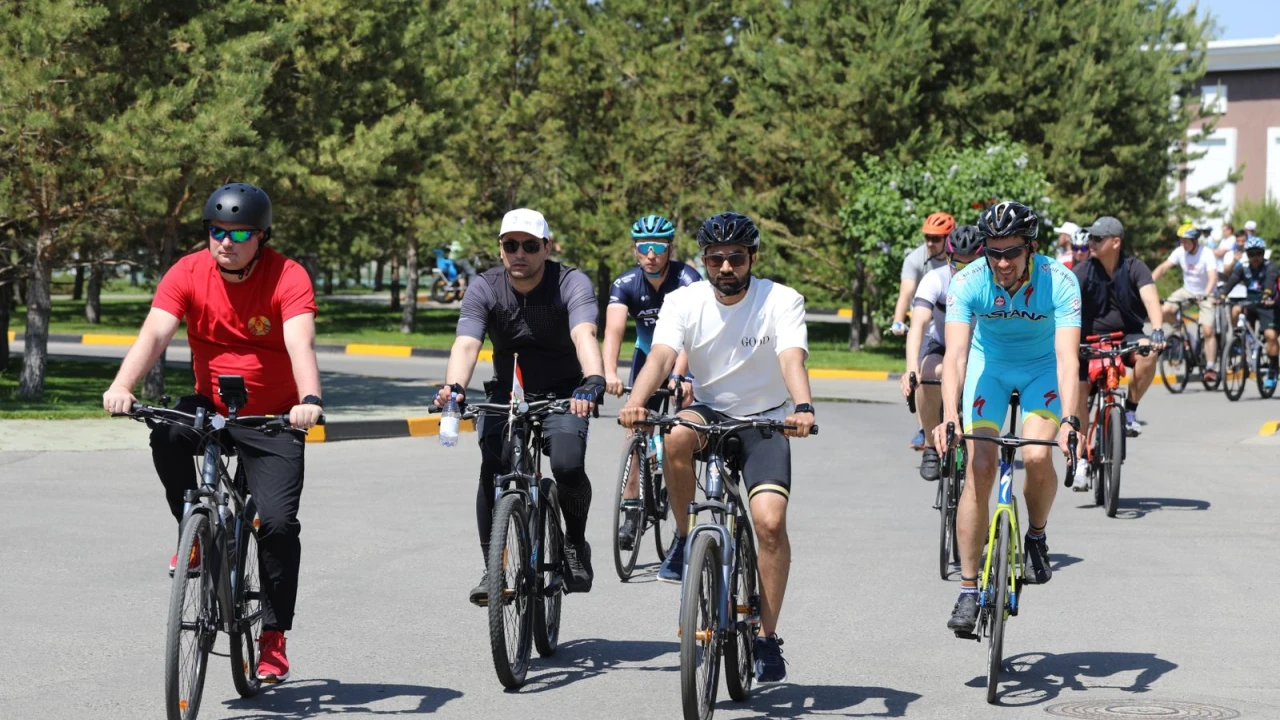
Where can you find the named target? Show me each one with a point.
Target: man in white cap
(1251, 228)
(545, 312)
(1065, 233)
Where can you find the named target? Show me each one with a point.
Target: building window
(1213, 98)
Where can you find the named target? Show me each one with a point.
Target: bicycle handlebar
(558, 406)
(1017, 442)
(728, 427)
(911, 396)
(263, 423)
(1090, 352)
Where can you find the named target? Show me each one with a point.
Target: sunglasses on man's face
(1013, 253)
(933, 239)
(531, 247)
(657, 248)
(237, 236)
(1096, 239)
(1256, 253)
(735, 260)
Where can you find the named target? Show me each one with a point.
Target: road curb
(1270, 428)
(379, 429)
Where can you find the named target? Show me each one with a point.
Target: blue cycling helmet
(652, 226)
(1254, 243)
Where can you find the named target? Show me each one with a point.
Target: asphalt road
(1171, 602)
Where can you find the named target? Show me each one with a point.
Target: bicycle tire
(1175, 361)
(945, 515)
(660, 511)
(439, 289)
(739, 655)
(1235, 367)
(997, 614)
(183, 690)
(1114, 458)
(962, 465)
(548, 604)
(248, 606)
(700, 629)
(1260, 375)
(510, 613)
(624, 561)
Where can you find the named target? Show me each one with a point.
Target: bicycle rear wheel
(439, 289)
(700, 629)
(1174, 363)
(1235, 367)
(548, 591)
(192, 621)
(510, 606)
(248, 609)
(957, 491)
(1113, 458)
(997, 594)
(659, 510)
(624, 560)
(744, 615)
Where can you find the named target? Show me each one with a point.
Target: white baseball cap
(525, 220)
(1068, 228)
(1251, 226)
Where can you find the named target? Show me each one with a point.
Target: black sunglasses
(531, 247)
(735, 260)
(1096, 239)
(994, 255)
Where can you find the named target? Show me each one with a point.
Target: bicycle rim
(248, 608)
(510, 609)
(1262, 363)
(744, 603)
(657, 494)
(547, 603)
(624, 560)
(1114, 458)
(998, 592)
(1173, 364)
(700, 630)
(1235, 369)
(946, 517)
(191, 628)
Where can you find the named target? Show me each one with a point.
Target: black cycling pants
(564, 444)
(273, 467)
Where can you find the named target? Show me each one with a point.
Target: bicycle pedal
(967, 635)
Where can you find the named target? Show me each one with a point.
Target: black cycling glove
(1157, 337)
(591, 389)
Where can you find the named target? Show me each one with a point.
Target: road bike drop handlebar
(1011, 443)
(205, 421)
(911, 397)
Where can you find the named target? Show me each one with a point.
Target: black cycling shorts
(765, 461)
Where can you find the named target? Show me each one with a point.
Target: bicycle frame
(724, 502)
(1006, 504)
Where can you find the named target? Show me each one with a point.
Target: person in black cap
(1118, 294)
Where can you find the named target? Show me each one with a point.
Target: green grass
(73, 389)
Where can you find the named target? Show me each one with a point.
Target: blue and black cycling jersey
(643, 302)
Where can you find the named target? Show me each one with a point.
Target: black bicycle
(642, 459)
(1184, 351)
(950, 485)
(525, 567)
(216, 585)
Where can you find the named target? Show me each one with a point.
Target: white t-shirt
(932, 294)
(733, 349)
(1195, 267)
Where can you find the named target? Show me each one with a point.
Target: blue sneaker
(1269, 382)
(672, 569)
(770, 667)
(917, 442)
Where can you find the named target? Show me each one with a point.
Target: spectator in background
(1079, 249)
(1231, 251)
(1251, 228)
(1066, 234)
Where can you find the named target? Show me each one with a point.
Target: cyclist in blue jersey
(1012, 323)
(639, 292)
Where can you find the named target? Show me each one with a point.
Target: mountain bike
(216, 584)
(1003, 569)
(1184, 351)
(642, 458)
(1243, 354)
(525, 567)
(719, 596)
(950, 485)
(1105, 443)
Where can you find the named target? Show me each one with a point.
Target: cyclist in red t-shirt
(251, 312)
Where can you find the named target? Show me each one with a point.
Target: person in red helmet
(926, 258)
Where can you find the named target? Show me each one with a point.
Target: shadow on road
(312, 698)
(1136, 508)
(1058, 561)
(794, 701)
(1035, 678)
(579, 660)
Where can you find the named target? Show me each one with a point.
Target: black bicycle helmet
(728, 228)
(965, 240)
(239, 203)
(1009, 219)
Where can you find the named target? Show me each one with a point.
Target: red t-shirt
(238, 328)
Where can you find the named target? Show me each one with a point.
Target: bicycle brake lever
(911, 396)
(1072, 460)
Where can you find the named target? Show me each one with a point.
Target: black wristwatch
(1073, 421)
(313, 400)
(806, 407)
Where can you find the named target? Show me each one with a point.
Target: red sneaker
(273, 666)
(192, 564)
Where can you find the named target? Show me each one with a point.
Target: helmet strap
(243, 272)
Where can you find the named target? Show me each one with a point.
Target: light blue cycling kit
(1013, 341)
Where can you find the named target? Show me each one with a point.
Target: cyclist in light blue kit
(639, 292)
(1022, 313)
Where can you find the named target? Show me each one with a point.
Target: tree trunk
(77, 292)
(602, 296)
(409, 310)
(93, 304)
(6, 302)
(395, 283)
(35, 357)
(133, 275)
(328, 280)
(378, 285)
(856, 322)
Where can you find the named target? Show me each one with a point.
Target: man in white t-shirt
(925, 343)
(1199, 280)
(747, 344)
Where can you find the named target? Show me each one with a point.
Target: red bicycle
(1104, 448)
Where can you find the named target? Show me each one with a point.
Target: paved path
(1172, 601)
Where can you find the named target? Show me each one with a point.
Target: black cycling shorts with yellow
(764, 459)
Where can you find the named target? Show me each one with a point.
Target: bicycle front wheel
(510, 606)
(633, 460)
(997, 595)
(248, 608)
(548, 592)
(946, 515)
(1235, 367)
(700, 629)
(1113, 458)
(1174, 363)
(1261, 364)
(192, 622)
(744, 615)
